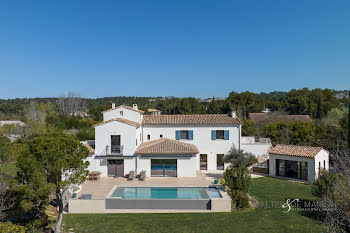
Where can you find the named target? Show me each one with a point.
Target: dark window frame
(185, 133)
(219, 136)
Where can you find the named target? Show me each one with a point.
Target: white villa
(162, 145)
(177, 145)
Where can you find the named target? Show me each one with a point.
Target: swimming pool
(192, 193)
(185, 198)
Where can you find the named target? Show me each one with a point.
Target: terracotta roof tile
(125, 106)
(153, 110)
(165, 146)
(91, 150)
(122, 120)
(292, 150)
(203, 119)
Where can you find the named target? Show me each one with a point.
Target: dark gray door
(120, 167)
(115, 167)
(111, 166)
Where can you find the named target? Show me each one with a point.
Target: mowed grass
(260, 219)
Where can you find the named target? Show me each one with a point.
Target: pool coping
(222, 204)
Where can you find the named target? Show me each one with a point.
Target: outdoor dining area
(94, 175)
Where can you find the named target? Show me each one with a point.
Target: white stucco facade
(258, 148)
(201, 139)
(122, 112)
(133, 135)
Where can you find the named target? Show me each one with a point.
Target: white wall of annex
(256, 148)
(310, 161)
(321, 158)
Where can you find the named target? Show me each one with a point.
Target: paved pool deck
(100, 188)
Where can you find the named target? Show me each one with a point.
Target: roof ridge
(122, 120)
(166, 146)
(300, 146)
(123, 106)
(186, 115)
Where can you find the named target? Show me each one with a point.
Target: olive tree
(49, 165)
(237, 176)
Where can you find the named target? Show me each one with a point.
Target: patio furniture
(131, 175)
(94, 175)
(85, 196)
(142, 175)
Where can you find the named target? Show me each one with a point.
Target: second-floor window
(220, 134)
(115, 144)
(184, 134)
(148, 137)
(121, 113)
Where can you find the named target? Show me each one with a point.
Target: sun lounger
(131, 175)
(143, 175)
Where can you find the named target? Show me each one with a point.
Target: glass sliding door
(303, 170)
(156, 167)
(280, 167)
(170, 167)
(220, 162)
(292, 169)
(203, 162)
(164, 167)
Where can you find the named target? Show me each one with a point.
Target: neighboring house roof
(292, 150)
(80, 113)
(258, 117)
(265, 117)
(153, 110)
(166, 146)
(124, 106)
(203, 119)
(91, 150)
(122, 120)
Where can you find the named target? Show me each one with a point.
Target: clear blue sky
(172, 48)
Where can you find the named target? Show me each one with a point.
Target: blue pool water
(165, 193)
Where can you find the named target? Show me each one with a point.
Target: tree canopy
(48, 165)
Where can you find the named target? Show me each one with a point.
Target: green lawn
(253, 220)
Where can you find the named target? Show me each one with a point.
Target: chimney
(113, 105)
(232, 114)
(134, 106)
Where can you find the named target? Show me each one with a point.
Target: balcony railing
(114, 150)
